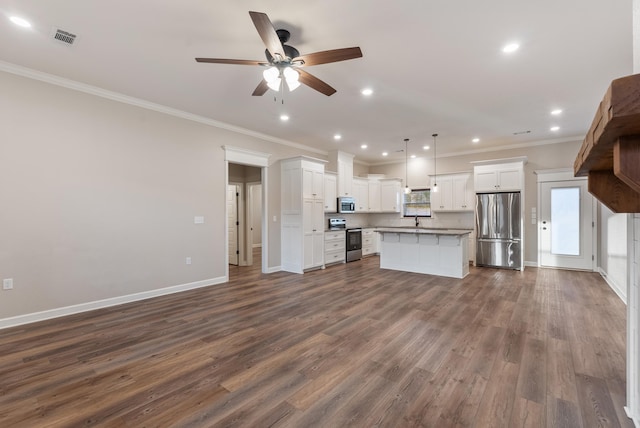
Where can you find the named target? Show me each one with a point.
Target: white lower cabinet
(369, 242)
(334, 247)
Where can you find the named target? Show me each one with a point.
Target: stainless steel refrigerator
(498, 225)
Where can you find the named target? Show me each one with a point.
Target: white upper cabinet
(312, 184)
(374, 195)
(330, 192)
(455, 193)
(499, 177)
(343, 163)
(390, 195)
(361, 194)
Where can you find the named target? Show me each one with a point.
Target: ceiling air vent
(64, 36)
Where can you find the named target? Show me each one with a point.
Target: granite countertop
(424, 230)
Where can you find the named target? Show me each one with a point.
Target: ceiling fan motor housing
(289, 51)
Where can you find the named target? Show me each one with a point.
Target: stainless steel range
(354, 238)
(354, 244)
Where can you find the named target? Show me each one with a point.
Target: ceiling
(435, 66)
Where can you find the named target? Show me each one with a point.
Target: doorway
(566, 223)
(235, 156)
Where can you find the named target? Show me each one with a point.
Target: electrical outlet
(7, 284)
(188, 260)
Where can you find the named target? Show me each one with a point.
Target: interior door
(566, 225)
(232, 213)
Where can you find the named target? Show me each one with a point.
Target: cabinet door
(345, 179)
(390, 196)
(374, 196)
(313, 233)
(508, 179)
(330, 193)
(485, 181)
(461, 193)
(443, 198)
(312, 184)
(361, 193)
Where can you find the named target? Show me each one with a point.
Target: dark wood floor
(349, 346)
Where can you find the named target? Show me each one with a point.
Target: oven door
(354, 244)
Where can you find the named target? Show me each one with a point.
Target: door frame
(261, 160)
(565, 174)
(251, 191)
(242, 222)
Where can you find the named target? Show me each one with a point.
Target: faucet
(417, 222)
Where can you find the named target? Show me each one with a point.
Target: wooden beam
(617, 115)
(613, 192)
(626, 161)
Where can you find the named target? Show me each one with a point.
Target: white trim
(245, 157)
(256, 246)
(613, 285)
(105, 303)
(634, 418)
(558, 174)
(517, 159)
(273, 269)
(492, 149)
(115, 96)
(531, 264)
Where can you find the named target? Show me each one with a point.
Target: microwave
(346, 204)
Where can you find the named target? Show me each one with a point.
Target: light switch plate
(7, 284)
(198, 219)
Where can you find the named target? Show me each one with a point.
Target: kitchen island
(441, 252)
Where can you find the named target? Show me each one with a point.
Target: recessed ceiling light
(284, 117)
(385, 153)
(364, 146)
(337, 137)
(425, 147)
(367, 91)
(475, 140)
(554, 128)
(556, 112)
(20, 21)
(413, 156)
(510, 48)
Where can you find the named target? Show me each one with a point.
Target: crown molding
(493, 149)
(137, 102)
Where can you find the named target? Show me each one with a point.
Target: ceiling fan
(285, 62)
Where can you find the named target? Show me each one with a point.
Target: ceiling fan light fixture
(274, 84)
(271, 74)
(291, 76)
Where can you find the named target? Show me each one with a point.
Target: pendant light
(407, 189)
(435, 173)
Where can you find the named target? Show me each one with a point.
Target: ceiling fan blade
(232, 61)
(267, 33)
(260, 89)
(333, 55)
(315, 83)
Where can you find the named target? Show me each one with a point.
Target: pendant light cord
(435, 155)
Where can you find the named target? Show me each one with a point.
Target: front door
(566, 225)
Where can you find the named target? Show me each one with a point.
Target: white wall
(613, 253)
(99, 197)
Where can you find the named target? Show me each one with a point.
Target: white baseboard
(530, 264)
(274, 269)
(257, 246)
(98, 304)
(620, 291)
(634, 418)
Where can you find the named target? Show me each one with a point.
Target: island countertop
(424, 230)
